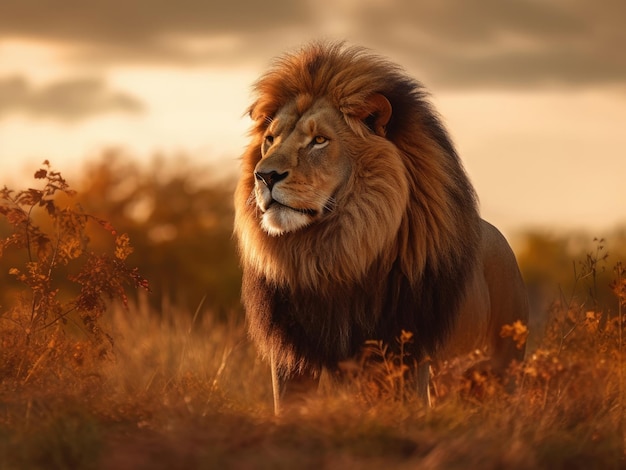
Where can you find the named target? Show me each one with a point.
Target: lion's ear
(376, 113)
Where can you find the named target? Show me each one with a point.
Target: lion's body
(356, 220)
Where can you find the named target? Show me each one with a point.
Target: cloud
(456, 43)
(519, 43)
(67, 100)
(143, 26)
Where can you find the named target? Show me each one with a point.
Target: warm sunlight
(181, 287)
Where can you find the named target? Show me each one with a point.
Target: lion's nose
(270, 178)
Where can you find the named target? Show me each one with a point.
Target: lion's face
(319, 178)
(302, 169)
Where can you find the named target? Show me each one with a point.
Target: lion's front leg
(423, 383)
(290, 388)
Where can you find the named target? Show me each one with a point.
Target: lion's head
(307, 172)
(348, 166)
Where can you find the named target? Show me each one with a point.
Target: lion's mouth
(275, 203)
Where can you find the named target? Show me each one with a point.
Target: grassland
(179, 392)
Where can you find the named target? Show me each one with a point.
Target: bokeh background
(141, 105)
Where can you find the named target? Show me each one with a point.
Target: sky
(533, 92)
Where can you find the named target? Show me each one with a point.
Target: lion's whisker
(330, 204)
(251, 201)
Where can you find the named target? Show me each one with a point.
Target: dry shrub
(50, 243)
(382, 372)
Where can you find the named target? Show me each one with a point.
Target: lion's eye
(269, 139)
(319, 141)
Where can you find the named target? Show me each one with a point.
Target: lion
(355, 220)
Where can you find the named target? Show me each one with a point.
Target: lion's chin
(278, 220)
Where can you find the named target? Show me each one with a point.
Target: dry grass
(181, 392)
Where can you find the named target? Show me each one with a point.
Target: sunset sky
(533, 92)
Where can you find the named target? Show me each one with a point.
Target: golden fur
(355, 219)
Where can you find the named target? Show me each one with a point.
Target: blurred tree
(180, 221)
(570, 267)
(179, 218)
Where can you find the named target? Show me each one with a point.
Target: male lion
(355, 220)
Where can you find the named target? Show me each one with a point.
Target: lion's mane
(312, 297)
